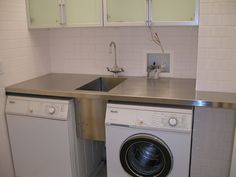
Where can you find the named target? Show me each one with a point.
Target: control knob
(173, 121)
(51, 110)
(31, 110)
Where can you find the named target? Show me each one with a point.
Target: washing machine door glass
(146, 155)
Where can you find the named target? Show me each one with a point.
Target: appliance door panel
(40, 147)
(145, 155)
(178, 145)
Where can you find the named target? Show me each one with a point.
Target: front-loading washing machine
(148, 141)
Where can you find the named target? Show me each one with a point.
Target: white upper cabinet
(84, 12)
(64, 13)
(124, 12)
(43, 13)
(77, 13)
(174, 12)
(150, 12)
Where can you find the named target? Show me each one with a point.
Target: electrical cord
(156, 39)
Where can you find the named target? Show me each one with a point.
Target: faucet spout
(115, 69)
(114, 46)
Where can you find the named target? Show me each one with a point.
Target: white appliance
(148, 141)
(43, 139)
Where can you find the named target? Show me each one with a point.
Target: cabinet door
(125, 12)
(43, 13)
(174, 11)
(83, 12)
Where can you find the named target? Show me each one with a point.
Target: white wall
(24, 54)
(216, 66)
(85, 50)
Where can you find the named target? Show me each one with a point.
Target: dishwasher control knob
(51, 110)
(31, 110)
(173, 121)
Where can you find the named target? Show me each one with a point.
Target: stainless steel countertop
(134, 89)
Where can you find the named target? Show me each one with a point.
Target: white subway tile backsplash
(217, 46)
(223, 7)
(216, 54)
(217, 42)
(217, 31)
(209, 85)
(24, 53)
(218, 19)
(85, 46)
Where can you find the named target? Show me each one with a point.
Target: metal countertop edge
(125, 98)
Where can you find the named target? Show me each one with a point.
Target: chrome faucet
(114, 45)
(115, 69)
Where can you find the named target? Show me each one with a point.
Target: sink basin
(103, 84)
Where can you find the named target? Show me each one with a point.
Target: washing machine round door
(146, 155)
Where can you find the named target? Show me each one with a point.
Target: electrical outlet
(159, 59)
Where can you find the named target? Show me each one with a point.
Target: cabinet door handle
(148, 12)
(62, 12)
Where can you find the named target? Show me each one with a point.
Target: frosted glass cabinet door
(83, 12)
(173, 10)
(43, 13)
(125, 11)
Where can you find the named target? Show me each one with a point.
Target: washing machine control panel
(150, 117)
(164, 120)
(38, 107)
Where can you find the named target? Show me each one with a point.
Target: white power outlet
(159, 59)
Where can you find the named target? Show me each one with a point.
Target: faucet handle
(115, 69)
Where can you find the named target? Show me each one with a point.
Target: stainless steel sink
(103, 84)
